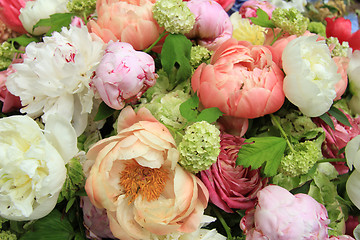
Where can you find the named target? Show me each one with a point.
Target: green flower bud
(339, 50)
(174, 16)
(199, 147)
(7, 52)
(7, 235)
(199, 55)
(318, 28)
(290, 20)
(299, 161)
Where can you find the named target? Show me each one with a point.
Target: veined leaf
(188, 109)
(55, 22)
(262, 19)
(339, 115)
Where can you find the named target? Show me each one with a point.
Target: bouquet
(171, 119)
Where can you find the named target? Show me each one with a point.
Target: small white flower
(311, 75)
(56, 74)
(40, 9)
(32, 165)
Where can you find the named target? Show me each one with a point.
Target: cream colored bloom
(32, 165)
(311, 75)
(353, 72)
(243, 30)
(56, 74)
(352, 153)
(40, 9)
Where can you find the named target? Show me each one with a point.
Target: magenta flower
(9, 14)
(212, 24)
(10, 102)
(249, 8)
(123, 74)
(283, 216)
(232, 186)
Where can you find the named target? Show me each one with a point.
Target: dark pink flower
(9, 14)
(232, 186)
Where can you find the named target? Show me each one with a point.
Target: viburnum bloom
(137, 180)
(126, 21)
(241, 80)
(230, 186)
(341, 28)
(9, 14)
(40, 9)
(281, 215)
(311, 75)
(249, 8)
(32, 165)
(212, 24)
(55, 76)
(123, 74)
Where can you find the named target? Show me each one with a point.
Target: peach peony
(137, 180)
(241, 80)
(128, 21)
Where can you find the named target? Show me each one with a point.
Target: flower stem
(157, 40)
(331, 160)
(223, 223)
(275, 121)
(276, 37)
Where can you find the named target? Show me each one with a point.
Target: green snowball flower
(290, 20)
(174, 16)
(199, 147)
(299, 160)
(199, 54)
(7, 52)
(81, 7)
(339, 50)
(7, 235)
(318, 28)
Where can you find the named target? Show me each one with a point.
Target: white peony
(311, 75)
(298, 4)
(56, 74)
(352, 153)
(353, 72)
(40, 9)
(32, 165)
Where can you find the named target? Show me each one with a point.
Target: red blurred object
(9, 14)
(341, 28)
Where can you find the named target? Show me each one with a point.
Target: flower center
(147, 182)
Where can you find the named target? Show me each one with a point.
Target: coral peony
(137, 180)
(212, 24)
(249, 8)
(341, 28)
(241, 80)
(232, 186)
(282, 216)
(9, 14)
(126, 21)
(123, 74)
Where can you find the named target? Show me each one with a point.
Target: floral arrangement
(171, 119)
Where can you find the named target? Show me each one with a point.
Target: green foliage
(339, 115)
(82, 8)
(24, 40)
(55, 22)
(103, 112)
(189, 110)
(261, 151)
(262, 19)
(175, 53)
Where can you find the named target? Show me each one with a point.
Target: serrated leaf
(104, 112)
(55, 22)
(262, 19)
(327, 119)
(261, 151)
(24, 40)
(339, 115)
(176, 53)
(209, 115)
(52, 227)
(188, 109)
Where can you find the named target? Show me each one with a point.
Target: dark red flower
(341, 28)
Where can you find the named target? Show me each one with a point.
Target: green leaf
(188, 109)
(262, 150)
(55, 22)
(262, 19)
(332, 9)
(339, 115)
(176, 53)
(209, 115)
(327, 119)
(104, 112)
(69, 204)
(24, 40)
(54, 226)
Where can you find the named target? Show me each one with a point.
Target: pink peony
(342, 64)
(232, 186)
(212, 24)
(136, 178)
(342, 237)
(123, 74)
(338, 138)
(10, 102)
(249, 8)
(241, 80)
(95, 220)
(283, 216)
(126, 21)
(225, 4)
(9, 14)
